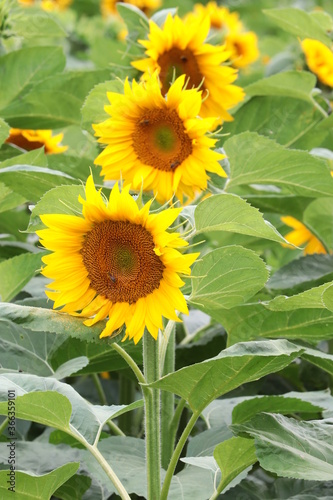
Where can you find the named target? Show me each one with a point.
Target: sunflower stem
(131, 363)
(176, 455)
(109, 471)
(126, 396)
(99, 389)
(167, 398)
(152, 416)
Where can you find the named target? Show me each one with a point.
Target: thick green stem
(152, 416)
(168, 401)
(126, 396)
(176, 455)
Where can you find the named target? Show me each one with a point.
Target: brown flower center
(23, 143)
(177, 62)
(120, 259)
(160, 139)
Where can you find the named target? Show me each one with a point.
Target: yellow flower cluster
(48, 5)
(118, 261)
(242, 45)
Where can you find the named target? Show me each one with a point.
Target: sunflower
(53, 5)
(109, 6)
(116, 261)
(220, 17)
(178, 48)
(243, 48)
(319, 59)
(34, 139)
(301, 235)
(157, 142)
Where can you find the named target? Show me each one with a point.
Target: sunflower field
(166, 250)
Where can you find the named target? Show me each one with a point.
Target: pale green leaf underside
(290, 448)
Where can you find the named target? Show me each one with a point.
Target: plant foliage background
(254, 358)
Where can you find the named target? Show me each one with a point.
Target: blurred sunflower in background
(34, 139)
(301, 235)
(158, 143)
(177, 48)
(242, 45)
(319, 59)
(117, 261)
(110, 6)
(49, 5)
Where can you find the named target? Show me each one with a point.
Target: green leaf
(299, 23)
(302, 273)
(228, 212)
(21, 69)
(136, 21)
(323, 18)
(38, 319)
(55, 102)
(312, 298)
(93, 107)
(9, 199)
(16, 272)
(320, 359)
(245, 410)
(59, 200)
(74, 488)
(4, 131)
(36, 24)
(284, 119)
(296, 84)
(249, 322)
(318, 217)
(47, 408)
(27, 351)
(233, 457)
(32, 182)
(53, 403)
(227, 277)
(37, 157)
(290, 448)
(203, 382)
(256, 159)
(37, 487)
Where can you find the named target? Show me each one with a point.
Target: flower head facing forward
(156, 142)
(178, 48)
(319, 59)
(117, 261)
(301, 235)
(34, 139)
